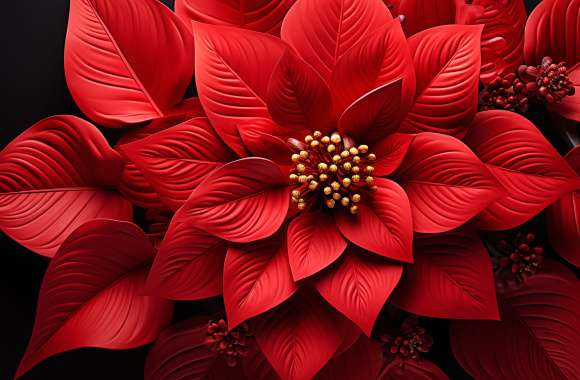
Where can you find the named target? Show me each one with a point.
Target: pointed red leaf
(390, 153)
(450, 278)
(383, 224)
(359, 286)
(91, 295)
(258, 138)
(446, 183)
(420, 15)
(259, 15)
(569, 107)
(181, 352)
(323, 31)
(55, 176)
(313, 243)
(421, 369)
(299, 337)
(362, 361)
(375, 114)
(552, 30)
(447, 61)
(233, 67)
(564, 219)
(189, 264)
(242, 201)
(176, 160)
(126, 62)
(257, 278)
(524, 162)
(537, 337)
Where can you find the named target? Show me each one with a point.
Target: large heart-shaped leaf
(55, 176)
(552, 30)
(128, 61)
(524, 162)
(421, 369)
(362, 361)
(261, 15)
(92, 294)
(257, 278)
(447, 61)
(177, 159)
(189, 264)
(451, 277)
(537, 336)
(233, 67)
(359, 286)
(242, 201)
(446, 183)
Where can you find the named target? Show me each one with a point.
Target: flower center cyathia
(517, 260)
(232, 345)
(331, 169)
(409, 342)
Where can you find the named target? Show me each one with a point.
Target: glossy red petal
(564, 219)
(299, 337)
(55, 176)
(537, 336)
(176, 160)
(359, 286)
(258, 138)
(447, 61)
(420, 15)
(569, 107)
(375, 115)
(259, 15)
(181, 352)
(242, 201)
(390, 153)
(232, 71)
(323, 31)
(378, 59)
(451, 277)
(421, 369)
(257, 278)
(126, 62)
(313, 243)
(91, 295)
(552, 30)
(524, 162)
(189, 264)
(383, 224)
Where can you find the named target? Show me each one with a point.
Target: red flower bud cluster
(409, 342)
(233, 345)
(548, 83)
(516, 260)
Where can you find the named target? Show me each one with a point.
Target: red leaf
(378, 59)
(91, 294)
(446, 183)
(447, 61)
(297, 96)
(530, 169)
(450, 278)
(537, 336)
(233, 67)
(313, 243)
(383, 225)
(259, 15)
(242, 201)
(55, 176)
(126, 62)
(323, 31)
(181, 353)
(258, 139)
(375, 115)
(359, 286)
(552, 30)
(176, 160)
(189, 264)
(299, 337)
(420, 15)
(257, 367)
(257, 278)
(569, 107)
(412, 370)
(390, 153)
(564, 219)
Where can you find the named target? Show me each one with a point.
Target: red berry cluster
(233, 345)
(409, 341)
(516, 260)
(548, 83)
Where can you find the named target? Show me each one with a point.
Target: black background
(33, 87)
